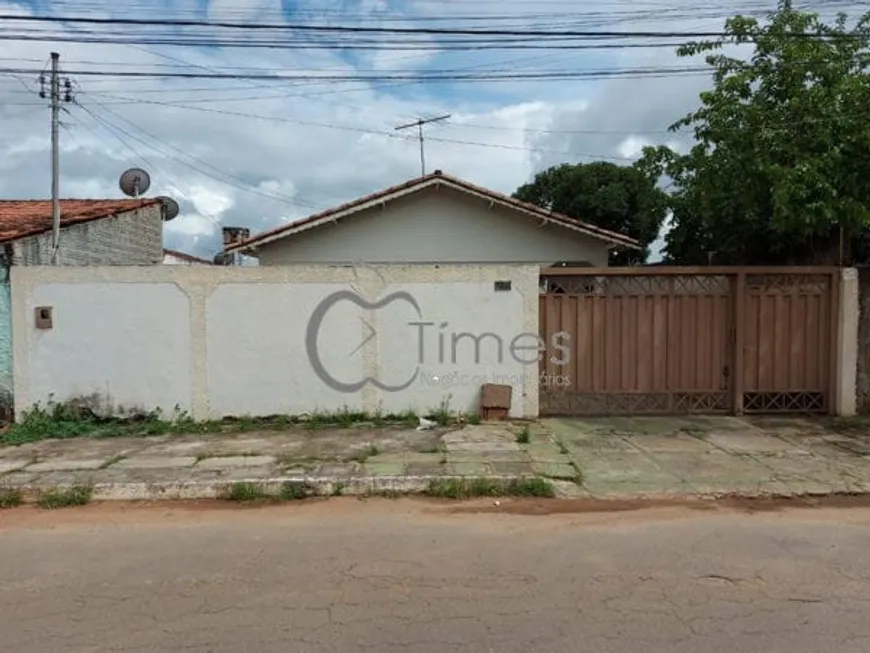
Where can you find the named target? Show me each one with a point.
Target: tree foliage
(618, 198)
(781, 161)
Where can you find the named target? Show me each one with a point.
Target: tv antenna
(419, 125)
(134, 182)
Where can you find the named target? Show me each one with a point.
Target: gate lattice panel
(686, 340)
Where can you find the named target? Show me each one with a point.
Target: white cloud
(300, 147)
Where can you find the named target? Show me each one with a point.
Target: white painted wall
(128, 347)
(219, 341)
(436, 226)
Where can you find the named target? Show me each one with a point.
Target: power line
(376, 132)
(448, 76)
(218, 175)
(119, 134)
(348, 29)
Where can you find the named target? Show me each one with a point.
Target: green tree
(619, 198)
(781, 161)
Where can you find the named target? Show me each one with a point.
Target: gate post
(739, 290)
(844, 338)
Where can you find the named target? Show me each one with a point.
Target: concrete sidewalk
(360, 460)
(716, 456)
(609, 458)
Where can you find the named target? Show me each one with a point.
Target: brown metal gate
(680, 340)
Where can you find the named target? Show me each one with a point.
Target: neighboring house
(173, 257)
(435, 219)
(93, 232)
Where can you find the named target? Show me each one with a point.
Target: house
(436, 218)
(174, 257)
(93, 232)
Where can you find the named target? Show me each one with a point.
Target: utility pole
(55, 156)
(419, 125)
(55, 94)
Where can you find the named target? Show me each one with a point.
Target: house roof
(419, 183)
(22, 218)
(186, 257)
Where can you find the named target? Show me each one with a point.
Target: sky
(261, 152)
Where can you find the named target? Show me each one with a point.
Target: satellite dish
(135, 182)
(170, 208)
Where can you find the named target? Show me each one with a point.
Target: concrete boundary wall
(217, 341)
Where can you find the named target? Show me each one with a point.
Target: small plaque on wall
(43, 317)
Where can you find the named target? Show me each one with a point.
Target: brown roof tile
(21, 218)
(461, 184)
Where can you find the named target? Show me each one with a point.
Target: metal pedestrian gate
(662, 340)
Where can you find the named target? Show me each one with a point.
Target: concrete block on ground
(433, 468)
(338, 470)
(155, 462)
(508, 468)
(61, 464)
(13, 465)
(383, 468)
(230, 462)
(468, 469)
(482, 447)
(751, 443)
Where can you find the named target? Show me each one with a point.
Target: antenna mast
(419, 125)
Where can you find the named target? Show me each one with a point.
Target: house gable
(438, 224)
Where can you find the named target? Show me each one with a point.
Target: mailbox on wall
(44, 317)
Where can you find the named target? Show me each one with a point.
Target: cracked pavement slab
(651, 456)
(428, 577)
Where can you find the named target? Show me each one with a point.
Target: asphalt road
(389, 576)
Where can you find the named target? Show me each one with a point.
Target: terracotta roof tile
(21, 218)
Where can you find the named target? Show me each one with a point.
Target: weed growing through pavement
(366, 453)
(64, 420)
(468, 488)
(296, 490)
(383, 493)
(111, 461)
(524, 436)
(443, 415)
(10, 498)
(256, 493)
(77, 495)
(247, 493)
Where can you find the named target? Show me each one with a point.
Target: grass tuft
(524, 436)
(10, 498)
(366, 453)
(469, 488)
(77, 495)
(296, 491)
(61, 421)
(247, 493)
